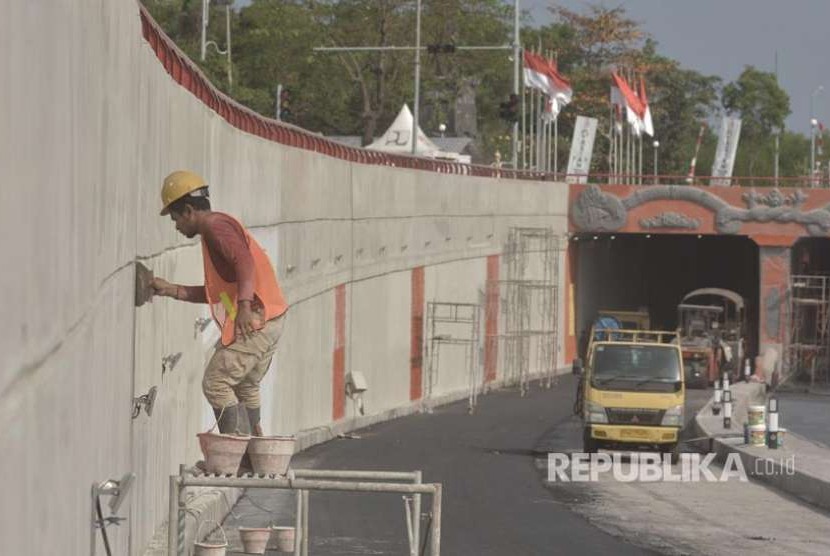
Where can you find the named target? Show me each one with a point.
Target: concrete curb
(318, 435)
(799, 468)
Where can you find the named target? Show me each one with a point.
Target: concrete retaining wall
(91, 122)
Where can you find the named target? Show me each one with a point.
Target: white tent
(398, 139)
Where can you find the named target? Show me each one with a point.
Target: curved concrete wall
(91, 122)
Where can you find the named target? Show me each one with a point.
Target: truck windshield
(638, 363)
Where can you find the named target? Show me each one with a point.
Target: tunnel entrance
(655, 271)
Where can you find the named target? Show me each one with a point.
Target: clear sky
(720, 37)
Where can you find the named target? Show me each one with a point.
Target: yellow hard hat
(177, 185)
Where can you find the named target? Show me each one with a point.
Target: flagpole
(524, 127)
(516, 71)
(640, 167)
(540, 134)
(556, 145)
(532, 131)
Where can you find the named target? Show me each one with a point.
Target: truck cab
(633, 390)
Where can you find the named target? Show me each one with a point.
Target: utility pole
(813, 124)
(417, 78)
(777, 131)
(279, 101)
(417, 50)
(516, 68)
(205, 42)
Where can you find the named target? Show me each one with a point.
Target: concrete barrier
(95, 113)
(799, 468)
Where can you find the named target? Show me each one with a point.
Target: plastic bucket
(781, 434)
(284, 537)
(222, 452)
(210, 548)
(270, 455)
(756, 415)
(254, 539)
(757, 435)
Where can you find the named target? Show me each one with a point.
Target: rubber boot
(253, 419)
(228, 422)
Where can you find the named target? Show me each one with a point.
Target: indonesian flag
(634, 109)
(543, 75)
(648, 125)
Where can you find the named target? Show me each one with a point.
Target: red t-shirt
(225, 240)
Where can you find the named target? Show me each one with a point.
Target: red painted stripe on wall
(416, 351)
(338, 394)
(491, 319)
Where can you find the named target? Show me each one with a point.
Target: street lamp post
(417, 78)
(205, 42)
(777, 133)
(813, 124)
(656, 144)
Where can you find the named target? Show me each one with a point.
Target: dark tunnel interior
(811, 255)
(634, 271)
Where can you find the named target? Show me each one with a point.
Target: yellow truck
(632, 390)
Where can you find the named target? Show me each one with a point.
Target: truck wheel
(674, 451)
(589, 445)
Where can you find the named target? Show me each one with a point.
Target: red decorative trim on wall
(416, 351)
(491, 319)
(338, 381)
(186, 73)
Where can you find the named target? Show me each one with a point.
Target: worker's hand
(245, 320)
(164, 288)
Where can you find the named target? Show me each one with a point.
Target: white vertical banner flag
(582, 147)
(730, 133)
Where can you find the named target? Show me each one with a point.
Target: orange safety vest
(222, 296)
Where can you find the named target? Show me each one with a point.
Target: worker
(244, 296)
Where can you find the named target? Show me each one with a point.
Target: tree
(589, 45)
(763, 106)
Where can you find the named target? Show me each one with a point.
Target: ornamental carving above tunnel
(598, 211)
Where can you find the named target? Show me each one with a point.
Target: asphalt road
(805, 414)
(495, 500)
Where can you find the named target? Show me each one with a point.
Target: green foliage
(763, 106)
(359, 93)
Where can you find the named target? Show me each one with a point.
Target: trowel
(143, 284)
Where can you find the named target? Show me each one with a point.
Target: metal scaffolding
(453, 324)
(808, 346)
(529, 300)
(303, 481)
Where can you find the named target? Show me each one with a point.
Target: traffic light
(285, 105)
(509, 110)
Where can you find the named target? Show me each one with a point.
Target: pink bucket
(270, 455)
(223, 452)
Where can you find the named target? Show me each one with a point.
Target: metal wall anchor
(168, 362)
(148, 400)
(200, 325)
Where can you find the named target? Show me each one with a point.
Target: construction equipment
(529, 300)
(177, 185)
(729, 334)
(808, 342)
(453, 324)
(143, 284)
(699, 326)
